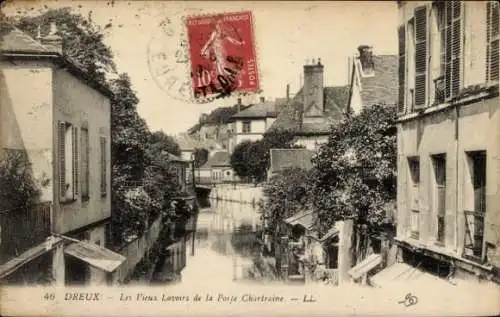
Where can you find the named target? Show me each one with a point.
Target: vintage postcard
(169, 158)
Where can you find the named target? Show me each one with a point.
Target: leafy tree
(200, 156)
(19, 189)
(252, 159)
(82, 40)
(354, 174)
(284, 195)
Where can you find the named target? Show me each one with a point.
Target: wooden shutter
(61, 157)
(448, 46)
(492, 40)
(456, 47)
(103, 166)
(401, 68)
(84, 142)
(421, 56)
(75, 161)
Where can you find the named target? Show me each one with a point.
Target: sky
(287, 34)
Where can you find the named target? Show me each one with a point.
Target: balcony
(23, 228)
(474, 236)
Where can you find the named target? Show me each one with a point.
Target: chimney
(53, 39)
(238, 108)
(313, 89)
(366, 59)
(287, 93)
(262, 99)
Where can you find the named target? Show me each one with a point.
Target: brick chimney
(313, 89)
(366, 59)
(238, 105)
(287, 93)
(52, 39)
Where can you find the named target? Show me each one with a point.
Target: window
(452, 56)
(104, 166)
(439, 164)
(474, 215)
(492, 39)
(414, 170)
(401, 68)
(421, 67)
(437, 52)
(84, 142)
(247, 127)
(410, 76)
(67, 161)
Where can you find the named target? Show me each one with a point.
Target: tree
(284, 195)
(82, 40)
(159, 142)
(354, 174)
(252, 159)
(200, 156)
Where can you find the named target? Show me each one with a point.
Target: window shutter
(421, 60)
(75, 161)
(456, 49)
(61, 157)
(492, 40)
(401, 68)
(448, 46)
(103, 166)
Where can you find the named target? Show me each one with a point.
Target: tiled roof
(18, 41)
(220, 158)
(383, 87)
(265, 109)
(188, 143)
(335, 104)
(288, 158)
(302, 218)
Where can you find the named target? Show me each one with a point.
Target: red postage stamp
(222, 54)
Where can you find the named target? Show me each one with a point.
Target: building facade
(61, 119)
(449, 137)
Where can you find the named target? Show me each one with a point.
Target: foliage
(82, 40)
(284, 195)
(354, 174)
(142, 183)
(19, 188)
(200, 156)
(252, 159)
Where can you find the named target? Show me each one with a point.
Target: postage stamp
(222, 54)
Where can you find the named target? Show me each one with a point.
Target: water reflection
(226, 240)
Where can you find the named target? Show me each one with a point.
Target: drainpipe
(457, 213)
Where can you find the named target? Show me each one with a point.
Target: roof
(174, 158)
(302, 218)
(266, 109)
(20, 42)
(331, 233)
(383, 87)
(17, 44)
(220, 158)
(335, 104)
(365, 266)
(188, 143)
(288, 158)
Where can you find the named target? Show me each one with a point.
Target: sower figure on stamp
(215, 50)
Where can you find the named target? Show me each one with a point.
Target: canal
(226, 245)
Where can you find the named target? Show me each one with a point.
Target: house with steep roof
(311, 112)
(58, 119)
(251, 123)
(217, 169)
(188, 144)
(373, 79)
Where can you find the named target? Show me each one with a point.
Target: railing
(439, 90)
(474, 235)
(23, 228)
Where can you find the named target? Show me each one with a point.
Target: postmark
(168, 60)
(222, 55)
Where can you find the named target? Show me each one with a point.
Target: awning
(405, 273)
(304, 219)
(365, 266)
(95, 255)
(331, 233)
